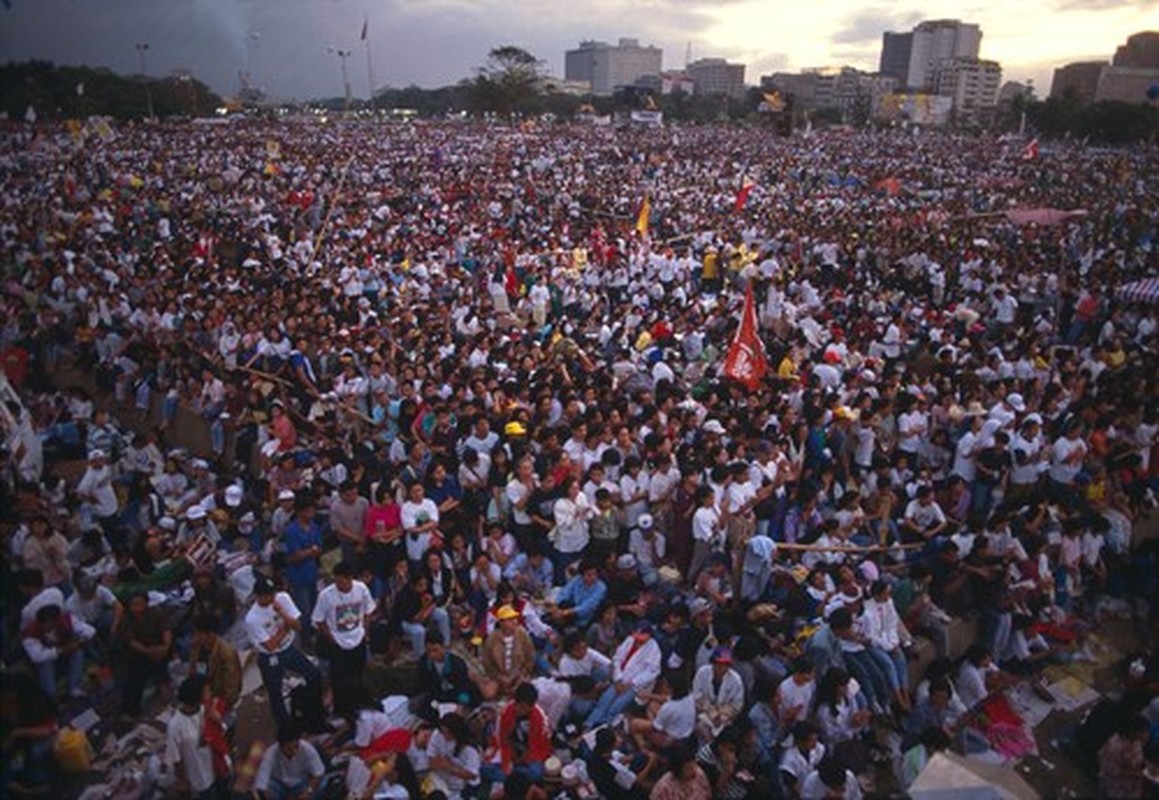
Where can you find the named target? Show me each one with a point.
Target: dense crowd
(460, 397)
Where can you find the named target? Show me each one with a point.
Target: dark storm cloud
(283, 44)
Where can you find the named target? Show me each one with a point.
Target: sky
(289, 47)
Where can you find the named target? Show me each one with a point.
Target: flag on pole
(30, 115)
(773, 102)
(80, 89)
(644, 217)
(746, 362)
(1031, 151)
(742, 196)
(365, 28)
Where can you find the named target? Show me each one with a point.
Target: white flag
(80, 89)
(30, 115)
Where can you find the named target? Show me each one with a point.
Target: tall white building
(609, 66)
(929, 44)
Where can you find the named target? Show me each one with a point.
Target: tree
(509, 82)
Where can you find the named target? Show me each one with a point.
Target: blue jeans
(610, 705)
(279, 790)
(493, 773)
(274, 666)
(305, 596)
(46, 671)
(418, 633)
(893, 664)
(870, 675)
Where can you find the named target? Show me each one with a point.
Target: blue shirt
(583, 598)
(302, 537)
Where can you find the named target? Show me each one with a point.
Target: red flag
(742, 197)
(746, 362)
(1031, 151)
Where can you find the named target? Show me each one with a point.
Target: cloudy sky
(287, 45)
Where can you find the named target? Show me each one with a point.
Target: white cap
(1016, 402)
(714, 426)
(645, 522)
(96, 453)
(195, 512)
(285, 494)
(233, 496)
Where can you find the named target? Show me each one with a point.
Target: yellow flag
(644, 217)
(773, 101)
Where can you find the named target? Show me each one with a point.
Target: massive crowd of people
(463, 411)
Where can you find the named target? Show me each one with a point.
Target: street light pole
(345, 54)
(142, 48)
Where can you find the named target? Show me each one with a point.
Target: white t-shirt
(343, 613)
(814, 789)
(677, 718)
(705, 523)
(263, 622)
(90, 610)
(183, 745)
(415, 514)
(467, 758)
(1060, 470)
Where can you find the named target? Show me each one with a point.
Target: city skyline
(287, 46)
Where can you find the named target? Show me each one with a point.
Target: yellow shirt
(710, 265)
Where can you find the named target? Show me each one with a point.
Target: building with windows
(717, 76)
(971, 84)
(1127, 79)
(926, 46)
(1079, 80)
(606, 67)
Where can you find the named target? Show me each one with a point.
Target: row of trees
(512, 82)
(70, 92)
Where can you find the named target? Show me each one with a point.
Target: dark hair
(830, 683)
(458, 728)
(434, 636)
(841, 619)
(832, 772)
(344, 569)
(804, 729)
(976, 652)
(189, 692)
(289, 732)
(526, 694)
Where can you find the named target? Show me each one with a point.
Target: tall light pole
(343, 55)
(142, 48)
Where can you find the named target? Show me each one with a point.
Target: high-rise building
(971, 84)
(1141, 51)
(609, 66)
(895, 55)
(1079, 80)
(1127, 79)
(717, 76)
(926, 46)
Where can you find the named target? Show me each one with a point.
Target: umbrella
(1141, 291)
(950, 777)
